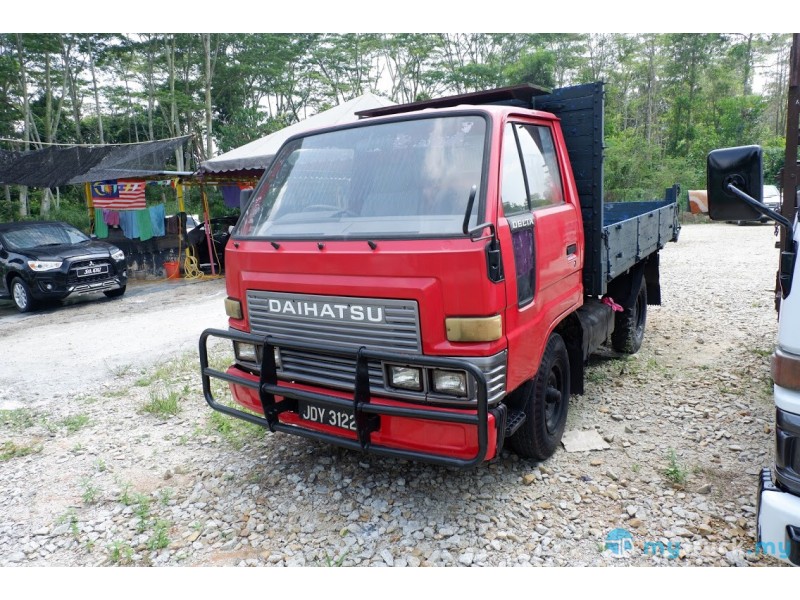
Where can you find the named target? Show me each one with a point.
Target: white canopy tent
(258, 153)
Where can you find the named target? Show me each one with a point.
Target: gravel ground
(135, 469)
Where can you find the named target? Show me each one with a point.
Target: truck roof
(516, 95)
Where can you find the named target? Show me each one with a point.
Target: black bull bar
(366, 413)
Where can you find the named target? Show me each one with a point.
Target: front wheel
(545, 400)
(21, 295)
(630, 323)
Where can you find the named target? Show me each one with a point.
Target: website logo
(620, 543)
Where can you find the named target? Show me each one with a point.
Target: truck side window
(512, 187)
(515, 207)
(541, 165)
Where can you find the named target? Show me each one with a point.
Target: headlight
(118, 255)
(252, 353)
(453, 383)
(44, 265)
(245, 352)
(407, 378)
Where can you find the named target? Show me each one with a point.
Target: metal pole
(208, 228)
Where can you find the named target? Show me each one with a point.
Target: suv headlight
(118, 255)
(44, 265)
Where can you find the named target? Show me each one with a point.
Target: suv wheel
(21, 295)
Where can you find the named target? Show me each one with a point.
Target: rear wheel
(630, 323)
(545, 400)
(21, 295)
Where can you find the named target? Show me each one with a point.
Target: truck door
(544, 231)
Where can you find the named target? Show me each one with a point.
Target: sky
(582, 16)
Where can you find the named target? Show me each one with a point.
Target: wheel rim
(554, 399)
(20, 297)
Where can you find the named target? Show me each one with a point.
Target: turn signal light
(786, 370)
(474, 329)
(233, 308)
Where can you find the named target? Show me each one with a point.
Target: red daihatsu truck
(428, 282)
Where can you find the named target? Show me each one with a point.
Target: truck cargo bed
(634, 230)
(617, 235)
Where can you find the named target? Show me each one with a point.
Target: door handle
(572, 249)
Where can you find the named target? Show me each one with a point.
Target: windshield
(42, 234)
(401, 179)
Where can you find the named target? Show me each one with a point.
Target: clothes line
(143, 223)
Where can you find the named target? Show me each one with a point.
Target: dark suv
(52, 260)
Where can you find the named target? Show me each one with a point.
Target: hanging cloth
(111, 217)
(157, 219)
(230, 195)
(129, 224)
(100, 227)
(144, 224)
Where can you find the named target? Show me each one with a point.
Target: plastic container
(173, 269)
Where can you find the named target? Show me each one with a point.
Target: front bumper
(778, 521)
(59, 283)
(453, 437)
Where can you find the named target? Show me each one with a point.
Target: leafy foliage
(670, 98)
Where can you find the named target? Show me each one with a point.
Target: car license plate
(89, 271)
(327, 416)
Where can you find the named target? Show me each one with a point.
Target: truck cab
(428, 282)
(734, 183)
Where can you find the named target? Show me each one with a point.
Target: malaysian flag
(118, 194)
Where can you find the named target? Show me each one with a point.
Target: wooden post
(179, 195)
(87, 190)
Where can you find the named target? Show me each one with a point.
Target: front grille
(397, 331)
(73, 279)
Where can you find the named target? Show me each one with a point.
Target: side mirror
(740, 167)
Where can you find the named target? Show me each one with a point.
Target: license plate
(89, 271)
(327, 416)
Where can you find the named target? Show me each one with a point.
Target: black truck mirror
(740, 167)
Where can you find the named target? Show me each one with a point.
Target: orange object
(173, 269)
(698, 202)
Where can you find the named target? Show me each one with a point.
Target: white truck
(735, 193)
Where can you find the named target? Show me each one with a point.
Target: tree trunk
(98, 112)
(26, 111)
(47, 197)
(748, 61)
(208, 74)
(174, 121)
(73, 90)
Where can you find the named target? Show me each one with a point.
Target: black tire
(630, 323)
(115, 293)
(21, 295)
(545, 400)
